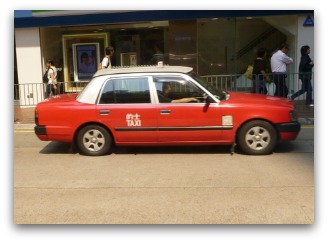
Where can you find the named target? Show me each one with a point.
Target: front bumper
(288, 131)
(289, 127)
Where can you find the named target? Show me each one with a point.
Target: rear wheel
(257, 138)
(94, 140)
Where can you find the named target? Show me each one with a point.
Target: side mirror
(207, 103)
(208, 100)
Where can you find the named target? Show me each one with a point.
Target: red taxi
(168, 105)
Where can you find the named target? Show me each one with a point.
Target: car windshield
(221, 95)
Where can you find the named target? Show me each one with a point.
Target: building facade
(213, 42)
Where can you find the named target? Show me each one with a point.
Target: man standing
(106, 63)
(51, 88)
(279, 62)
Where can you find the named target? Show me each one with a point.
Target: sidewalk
(24, 117)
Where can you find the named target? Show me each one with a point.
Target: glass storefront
(216, 46)
(134, 44)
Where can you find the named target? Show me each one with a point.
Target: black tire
(94, 140)
(257, 138)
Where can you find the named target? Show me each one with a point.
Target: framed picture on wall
(80, 43)
(85, 60)
(129, 59)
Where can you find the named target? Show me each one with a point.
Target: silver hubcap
(258, 138)
(93, 140)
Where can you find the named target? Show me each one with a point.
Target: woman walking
(305, 74)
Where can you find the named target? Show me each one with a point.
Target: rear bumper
(51, 133)
(40, 130)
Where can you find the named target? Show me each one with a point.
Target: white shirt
(52, 70)
(106, 62)
(279, 60)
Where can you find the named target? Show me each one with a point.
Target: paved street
(163, 185)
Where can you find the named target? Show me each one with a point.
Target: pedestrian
(106, 62)
(305, 74)
(259, 73)
(158, 55)
(279, 62)
(51, 88)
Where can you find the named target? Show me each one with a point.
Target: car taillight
(36, 116)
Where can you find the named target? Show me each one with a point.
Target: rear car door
(125, 106)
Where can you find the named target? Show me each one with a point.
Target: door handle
(104, 112)
(165, 111)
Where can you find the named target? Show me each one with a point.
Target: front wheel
(257, 138)
(94, 140)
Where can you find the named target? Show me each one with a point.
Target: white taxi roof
(143, 69)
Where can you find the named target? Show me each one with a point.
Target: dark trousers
(50, 90)
(280, 82)
(306, 87)
(259, 87)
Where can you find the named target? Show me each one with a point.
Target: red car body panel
(64, 116)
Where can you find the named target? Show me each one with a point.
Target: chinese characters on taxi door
(133, 120)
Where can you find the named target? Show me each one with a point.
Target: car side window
(126, 90)
(176, 88)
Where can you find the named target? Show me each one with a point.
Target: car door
(181, 119)
(125, 106)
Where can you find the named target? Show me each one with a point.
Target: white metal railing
(32, 93)
(241, 83)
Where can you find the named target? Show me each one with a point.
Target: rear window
(126, 90)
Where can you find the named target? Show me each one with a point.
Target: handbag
(45, 77)
(249, 72)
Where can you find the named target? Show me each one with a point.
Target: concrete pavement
(163, 185)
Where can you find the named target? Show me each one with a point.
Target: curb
(18, 126)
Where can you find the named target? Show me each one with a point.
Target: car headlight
(293, 115)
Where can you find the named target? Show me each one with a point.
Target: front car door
(181, 118)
